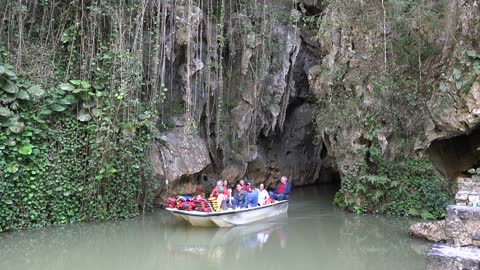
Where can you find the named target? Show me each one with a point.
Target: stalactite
(172, 48)
(159, 46)
(219, 65)
(188, 94)
(145, 32)
(208, 29)
(196, 79)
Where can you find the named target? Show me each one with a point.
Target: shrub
(408, 188)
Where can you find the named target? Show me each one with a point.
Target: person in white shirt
(262, 195)
(262, 237)
(229, 191)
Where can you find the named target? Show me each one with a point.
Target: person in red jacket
(245, 186)
(282, 191)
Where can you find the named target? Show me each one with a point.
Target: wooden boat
(234, 217)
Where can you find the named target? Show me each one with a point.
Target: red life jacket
(203, 206)
(169, 202)
(188, 206)
(269, 201)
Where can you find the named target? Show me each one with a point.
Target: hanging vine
(115, 73)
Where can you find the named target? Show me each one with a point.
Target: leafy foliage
(474, 171)
(466, 73)
(57, 166)
(407, 188)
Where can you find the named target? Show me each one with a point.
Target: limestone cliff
(404, 80)
(246, 95)
(300, 88)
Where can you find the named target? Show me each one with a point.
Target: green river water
(315, 235)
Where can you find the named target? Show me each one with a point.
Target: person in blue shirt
(240, 199)
(253, 196)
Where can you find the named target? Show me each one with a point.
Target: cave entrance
(295, 153)
(453, 157)
(329, 180)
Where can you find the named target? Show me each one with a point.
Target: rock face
(445, 257)
(251, 94)
(462, 228)
(347, 79)
(463, 225)
(249, 97)
(433, 231)
(179, 154)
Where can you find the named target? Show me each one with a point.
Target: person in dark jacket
(282, 191)
(240, 199)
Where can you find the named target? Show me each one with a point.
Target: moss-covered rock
(394, 79)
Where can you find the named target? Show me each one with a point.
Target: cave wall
(256, 118)
(294, 150)
(369, 96)
(346, 70)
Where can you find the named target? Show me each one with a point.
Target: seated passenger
(282, 191)
(240, 199)
(245, 184)
(214, 192)
(228, 193)
(262, 195)
(253, 196)
(221, 198)
(199, 192)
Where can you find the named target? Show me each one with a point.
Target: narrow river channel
(315, 235)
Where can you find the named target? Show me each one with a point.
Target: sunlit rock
(463, 225)
(433, 231)
(460, 227)
(446, 257)
(179, 154)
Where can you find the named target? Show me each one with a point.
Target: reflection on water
(221, 245)
(314, 235)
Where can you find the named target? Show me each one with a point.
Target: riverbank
(460, 231)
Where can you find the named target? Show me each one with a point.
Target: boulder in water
(433, 231)
(446, 257)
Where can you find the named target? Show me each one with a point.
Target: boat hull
(231, 218)
(200, 221)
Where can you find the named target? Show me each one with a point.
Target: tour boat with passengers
(231, 217)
